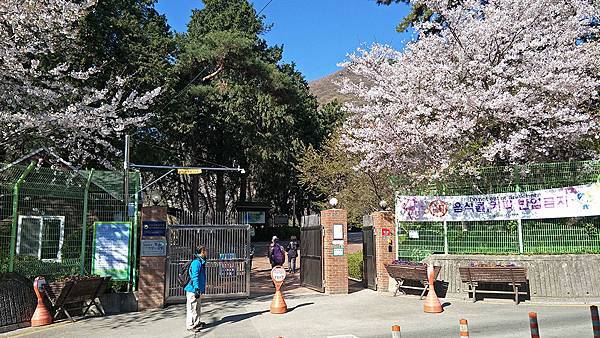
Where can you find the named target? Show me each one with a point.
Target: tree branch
(216, 72)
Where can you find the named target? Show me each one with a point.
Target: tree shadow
(355, 286)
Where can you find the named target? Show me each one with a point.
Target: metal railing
(228, 261)
(47, 217)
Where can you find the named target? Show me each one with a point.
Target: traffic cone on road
(432, 302)
(464, 328)
(396, 331)
(41, 316)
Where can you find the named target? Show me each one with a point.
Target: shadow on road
(299, 305)
(235, 318)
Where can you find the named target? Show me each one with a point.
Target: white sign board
(413, 234)
(338, 231)
(153, 248)
(577, 201)
(338, 251)
(278, 274)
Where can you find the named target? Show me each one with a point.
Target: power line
(268, 3)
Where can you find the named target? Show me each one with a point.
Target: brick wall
(336, 267)
(384, 228)
(152, 283)
(151, 286)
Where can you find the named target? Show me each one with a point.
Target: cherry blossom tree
(44, 99)
(503, 82)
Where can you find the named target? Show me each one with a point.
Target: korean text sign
(111, 249)
(576, 201)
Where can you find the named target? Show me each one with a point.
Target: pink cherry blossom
(510, 81)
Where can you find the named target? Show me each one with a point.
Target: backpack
(183, 278)
(278, 255)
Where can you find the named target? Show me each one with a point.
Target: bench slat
(493, 274)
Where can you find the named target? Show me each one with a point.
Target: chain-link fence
(47, 216)
(417, 240)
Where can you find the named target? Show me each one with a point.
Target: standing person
(195, 288)
(252, 250)
(276, 253)
(292, 253)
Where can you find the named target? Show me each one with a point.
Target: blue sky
(316, 34)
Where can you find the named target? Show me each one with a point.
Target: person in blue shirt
(195, 289)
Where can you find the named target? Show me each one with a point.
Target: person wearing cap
(276, 253)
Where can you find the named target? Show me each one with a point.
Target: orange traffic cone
(41, 316)
(464, 328)
(396, 331)
(432, 303)
(278, 305)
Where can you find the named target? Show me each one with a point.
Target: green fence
(47, 216)
(417, 240)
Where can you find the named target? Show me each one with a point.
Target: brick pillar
(335, 251)
(151, 294)
(385, 246)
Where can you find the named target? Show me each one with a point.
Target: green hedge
(355, 265)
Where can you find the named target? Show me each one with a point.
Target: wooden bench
(401, 272)
(514, 276)
(73, 293)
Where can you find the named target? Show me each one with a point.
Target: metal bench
(475, 276)
(401, 273)
(73, 293)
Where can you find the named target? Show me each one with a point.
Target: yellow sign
(194, 171)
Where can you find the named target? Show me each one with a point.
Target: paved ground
(260, 280)
(362, 314)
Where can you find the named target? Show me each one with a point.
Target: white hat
(274, 238)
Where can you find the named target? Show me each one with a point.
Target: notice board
(111, 250)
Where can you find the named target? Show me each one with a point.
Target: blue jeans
(292, 264)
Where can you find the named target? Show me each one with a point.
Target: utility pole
(126, 173)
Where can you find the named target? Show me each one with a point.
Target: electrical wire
(268, 3)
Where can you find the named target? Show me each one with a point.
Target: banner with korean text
(577, 201)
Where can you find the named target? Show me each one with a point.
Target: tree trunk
(243, 187)
(195, 189)
(220, 191)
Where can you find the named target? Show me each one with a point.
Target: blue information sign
(154, 228)
(112, 250)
